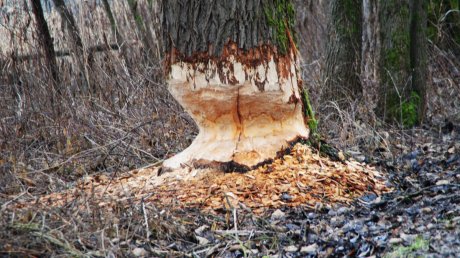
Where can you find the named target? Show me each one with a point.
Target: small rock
(202, 240)
(360, 158)
(332, 213)
(442, 182)
(430, 226)
(291, 249)
(421, 229)
(394, 241)
(286, 197)
(254, 251)
(408, 238)
(342, 210)
(426, 210)
(311, 215)
(311, 249)
(139, 252)
(200, 230)
(369, 197)
(292, 227)
(278, 215)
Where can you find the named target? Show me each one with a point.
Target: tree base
(237, 125)
(245, 113)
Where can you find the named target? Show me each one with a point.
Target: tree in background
(341, 78)
(402, 61)
(379, 44)
(233, 66)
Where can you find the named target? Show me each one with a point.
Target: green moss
(352, 23)
(404, 111)
(419, 244)
(281, 18)
(309, 113)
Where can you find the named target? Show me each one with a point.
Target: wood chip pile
(302, 177)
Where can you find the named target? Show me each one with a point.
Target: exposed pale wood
(238, 122)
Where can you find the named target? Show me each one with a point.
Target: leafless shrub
(123, 118)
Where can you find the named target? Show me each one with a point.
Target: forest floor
(420, 216)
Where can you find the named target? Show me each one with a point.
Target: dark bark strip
(196, 26)
(69, 20)
(46, 41)
(418, 53)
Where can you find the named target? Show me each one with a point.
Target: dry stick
(241, 232)
(12, 200)
(67, 52)
(145, 219)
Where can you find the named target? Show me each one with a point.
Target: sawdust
(302, 177)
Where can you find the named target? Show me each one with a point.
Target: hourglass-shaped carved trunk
(233, 66)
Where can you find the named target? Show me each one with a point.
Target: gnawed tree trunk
(233, 66)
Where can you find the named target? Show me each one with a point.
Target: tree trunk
(370, 58)
(233, 66)
(145, 35)
(418, 57)
(75, 38)
(402, 61)
(116, 33)
(343, 53)
(46, 42)
(113, 22)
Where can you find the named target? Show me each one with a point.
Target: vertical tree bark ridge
(146, 36)
(117, 34)
(76, 40)
(193, 26)
(233, 66)
(46, 41)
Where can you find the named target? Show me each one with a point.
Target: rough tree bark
(75, 38)
(343, 52)
(46, 42)
(119, 38)
(233, 66)
(418, 57)
(145, 35)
